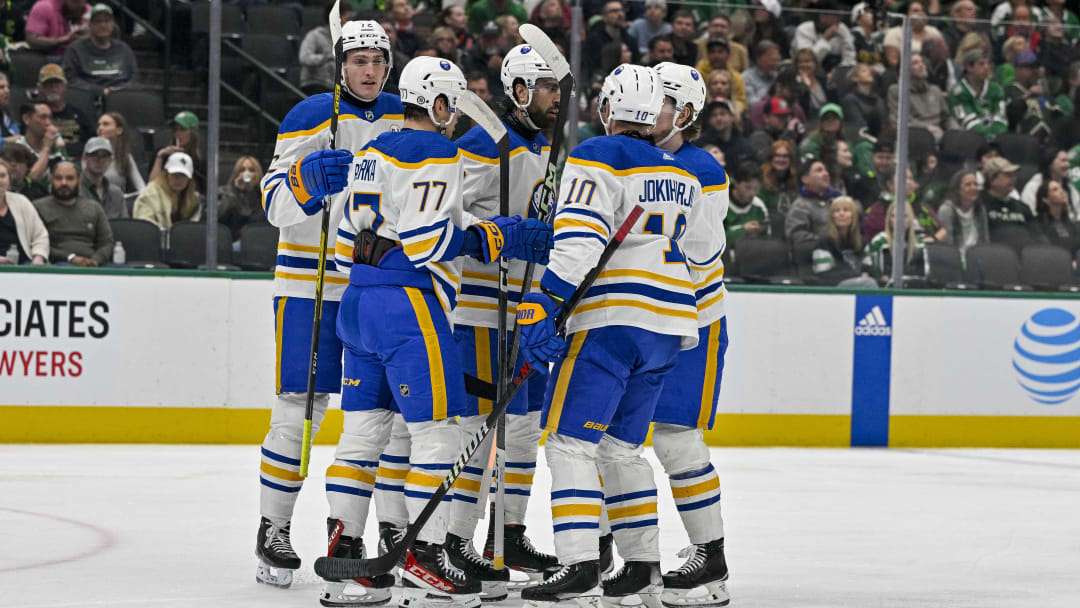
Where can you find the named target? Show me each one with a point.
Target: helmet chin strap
(525, 118)
(607, 122)
(675, 128)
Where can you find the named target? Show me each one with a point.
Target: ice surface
(174, 526)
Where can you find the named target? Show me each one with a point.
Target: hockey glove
(318, 174)
(492, 233)
(540, 342)
(530, 240)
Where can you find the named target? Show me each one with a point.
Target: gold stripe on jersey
(618, 302)
(494, 161)
(645, 274)
(564, 223)
(283, 246)
(625, 172)
(449, 160)
(494, 278)
(311, 277)
(326, 124)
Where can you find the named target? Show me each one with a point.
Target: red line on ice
(106, 540)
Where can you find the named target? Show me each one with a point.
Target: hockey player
(688, 401)
(293, 205)
(405, 212)
(531, 104)
(624, 337)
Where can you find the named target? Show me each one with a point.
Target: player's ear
(684, 117)
(521, 92)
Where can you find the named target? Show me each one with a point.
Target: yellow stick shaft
(305, 449)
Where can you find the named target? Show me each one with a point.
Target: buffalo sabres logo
(445, 65)
(694, 74)
(618, 70)
(404, 389)
(525, 50)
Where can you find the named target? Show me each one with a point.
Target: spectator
(550, 15)
(716, 58)
(185, 139)
(830, 130)
(977, 102)
(477, 82)
(720, 26)
(20, 159)
(509, 35)
(73, 125)
(920, 31)
(650, 25)
(983, 154)
(455, 18)
(171, 196)
(79, 232)
(962, 22)
(240, 200)
(1022, 25)
(721, 132)
(1004, 212)
(20, 225)
(830, 39)
(610, 28)
(841, 166)
(483, 11)
(317, 55)
(926, 225)
(768, 26)
(837, 258)
(9, 127)
(761, 76)
(809, 215)
(399, 59)
(408, 41)
(717, 153)
(964, 219)
(1055, 12)
(100, 63)
(1054, 167)
(13, 24)
(927, 106)
(814, 96)
(941, 71)
(41, 138)
(53, 24)
(124, 171)
(1055, 218)
(486, 55)
(444, 42)
(864, 107)
(747, 216)
(1025, 98)
(96, 160)
(868, 39)
(780, 123)
(1056, 51)
(786, 87)
(1005, 73)
(719, 85)
(779, 184)
(878, 260)
(660, 49)
(682, 37)
(972, 41)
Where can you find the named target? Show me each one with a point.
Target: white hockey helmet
(366, 35)
(525, 63)
(686, 86)
(424, 79)
(633, 93)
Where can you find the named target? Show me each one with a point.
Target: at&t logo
(1046, 356)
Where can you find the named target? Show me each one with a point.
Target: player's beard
(540, 118)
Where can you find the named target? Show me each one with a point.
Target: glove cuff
(556, 287)
(530, 313)
(491, 239)
(296, 183)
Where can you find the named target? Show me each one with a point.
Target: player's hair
(414, 112)
(850, 236)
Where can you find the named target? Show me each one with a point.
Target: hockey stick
(545, 212)
(320, 279)
(339, 568)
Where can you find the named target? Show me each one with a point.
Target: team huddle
(411, 310)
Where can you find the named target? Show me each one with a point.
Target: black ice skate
(390, 535)
(430, 580)
(607, 554)
(463, 555)
(277, 560)
(520, 554)
(372, 591)
(636, 584)
(576, 585)
(701, 581)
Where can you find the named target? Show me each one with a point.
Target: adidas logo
(873, 324)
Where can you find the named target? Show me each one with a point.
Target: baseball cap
(833, 108)
(180, 162)
(186, 120)
(1026, 58)
(50, 71)
(858, 10)
(100, 7)
(97, 144)
(721, 102)
(491, 29)
(717, 41)
(996, 166)
(885, 144)
(657, 3)
(778, 105)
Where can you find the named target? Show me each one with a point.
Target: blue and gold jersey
(707, 272)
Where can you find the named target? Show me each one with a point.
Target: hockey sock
(435, 446)
(576, 498)
(279, 472)
(522, 442)
(390, 477)
(350, 480)
(465, 512)
(694, 483)
(630, 499)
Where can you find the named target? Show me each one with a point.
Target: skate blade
(348, 595)
(643, 599)
(704, 596)
(493, 591)
(580, 601)
(413, 597)
(274, 577)
(519, 579)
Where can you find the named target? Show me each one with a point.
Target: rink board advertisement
(175, 357)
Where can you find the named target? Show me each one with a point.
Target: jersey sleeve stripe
(715, 188)
(446, 160)
(565, 223)
(717, 274)
(648, 291)
(575, 235)
(624, 172)
(705, 305)
(613, 303)
(586, 213)
(326, 124)
(410, 234)
(285, 246)
(422, 249)
(703, 293)
(289, 261)
(707, 264)
(644, 274)
(494, 278)
(309, 277)
(478, 158)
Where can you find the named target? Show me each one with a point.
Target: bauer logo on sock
(529, 313)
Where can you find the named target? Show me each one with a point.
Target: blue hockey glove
(492, 232)
(318, 174)
(531, 241)
(540, 343)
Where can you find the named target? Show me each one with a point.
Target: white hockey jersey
(707, 272)
(478, 302)
(646, 284)
(407, 187)
(306, 129)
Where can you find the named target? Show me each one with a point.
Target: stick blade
(546, 48)
(476, 109)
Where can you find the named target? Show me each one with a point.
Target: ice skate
(463, 555)
(520, 554)
(430, 580)
(573, 586)
(277, 560)
(607, 554)
(372, 591)
(390, 535)
(636, 584)
(701, 581)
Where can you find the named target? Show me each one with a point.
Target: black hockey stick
(505, 365)
(320, 280)
(545, 212)
(339, 568)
